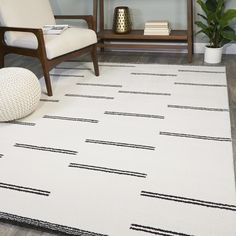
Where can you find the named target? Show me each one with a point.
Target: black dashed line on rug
(182, 135)
(189, 201)
(203, 71)
(100, 85)
(155, 74)
(88, 96)
(1, 155)
(24, 189)
(74, 60)
(108, 170)
(116, 113)
(120, 144)
(47, 149)
(70, 119)
(204, 85)
(199, 108)
(144, 93)
(71, 68)
(156, 231)
(48, 100)
(125, 66)
(63, 75)
(45, 225)
(16, 122)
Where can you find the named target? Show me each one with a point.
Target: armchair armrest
(88, 18)
(29, 52)
(37, 32)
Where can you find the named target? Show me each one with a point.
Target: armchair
(21, 33)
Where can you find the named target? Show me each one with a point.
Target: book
(157, 32)
(157, 23)
(156, 26)
(54, 29)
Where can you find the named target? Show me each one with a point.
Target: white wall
(172, 10)
(78, 7)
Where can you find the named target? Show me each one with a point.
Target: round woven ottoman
(20, 92)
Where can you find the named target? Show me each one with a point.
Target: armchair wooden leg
(48, 83)
(47, 79)
(95, 60)
(2, 60)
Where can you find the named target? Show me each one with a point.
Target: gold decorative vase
(121, 20)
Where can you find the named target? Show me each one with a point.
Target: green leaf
(204, 17)
(201, 25)
(227, 17)
(229, 35)
(211, 5)
(220, 6)
(204, 29)
(203, 6)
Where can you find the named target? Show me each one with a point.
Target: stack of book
(157, 28)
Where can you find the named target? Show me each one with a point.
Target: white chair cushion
(70, 40)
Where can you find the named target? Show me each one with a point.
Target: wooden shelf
(175, 35)
(137, 39)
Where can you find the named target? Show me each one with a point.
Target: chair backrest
(25, 13)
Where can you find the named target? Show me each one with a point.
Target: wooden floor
(129, 57)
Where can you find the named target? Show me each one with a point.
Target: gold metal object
(121, 20)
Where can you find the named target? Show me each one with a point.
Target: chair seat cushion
(70, 40)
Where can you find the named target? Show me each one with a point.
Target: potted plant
(216, 27)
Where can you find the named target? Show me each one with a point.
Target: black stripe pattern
(16, 122)
(120, 144)
(155, 74)
(204, 85)
(133, 114)
(64, 75)
(181, 135)
(70, 119)
(189, 201)
(89, 96)
(203, 71)
(108, 170)
(71, 68)
(24, 189)
(156, 231)
(47, 149)
(100, 85)
(48, 100)
(198, 108)
(144, 93)
(125, 66)
(47, 225)
(1, 155)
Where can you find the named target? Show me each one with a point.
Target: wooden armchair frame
(40, 52)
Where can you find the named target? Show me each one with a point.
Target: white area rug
(141, 150)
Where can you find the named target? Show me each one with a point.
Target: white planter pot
(213, 55)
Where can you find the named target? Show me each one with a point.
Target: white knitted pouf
(20, 92)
